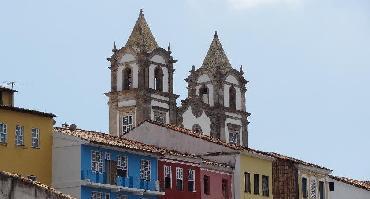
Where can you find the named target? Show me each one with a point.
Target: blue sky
(308, 63)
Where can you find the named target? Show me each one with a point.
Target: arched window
(232, 98)
(158, 78)
(203, 93)
(127, 78)
(196, 128)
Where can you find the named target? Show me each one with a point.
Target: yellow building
(255, 174)
(25, 139)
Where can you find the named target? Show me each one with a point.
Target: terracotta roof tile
(23, 110)
(280, 156)
(357, 183)
(34, 183)
(121, 142)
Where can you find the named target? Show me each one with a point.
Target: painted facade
(215, 184)
(241, 158)
(343, 188)
(25, 139)
(179, 179)
(93, 165)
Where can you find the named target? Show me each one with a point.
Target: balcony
(118, 183)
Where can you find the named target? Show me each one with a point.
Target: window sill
(3, 144)
(21, 146)
(35, 147)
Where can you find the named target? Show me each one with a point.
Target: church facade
(142, 89)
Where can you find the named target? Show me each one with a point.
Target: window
(203, 93)
(304, 187)
(206, 184)
(19, 133)
(96, 162)
(107, 156)
(167, 177)
(122, 166)
(1, 98)
(179, 178)
(35, 137)
(224, 188)
(232, 98)
(265, 186)
(191, 180)
(160, 116)
(321, 190)
(256, 184)
(96, 195)
(120, 196)
(247, 180)
(158, 78)
(3, 133)
(107, 195)
(234, 133)
(331, 186)
(127, 78)
(196, 128)
(145, 170)
(313, 188)
(127, 123)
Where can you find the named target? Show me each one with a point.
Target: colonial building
(141, 82)
(25, 139)
(95, 165)
(142, 89)
(257, 164)
(343, 188)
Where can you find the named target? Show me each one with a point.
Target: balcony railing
(129, 182)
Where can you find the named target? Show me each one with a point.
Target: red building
(179, 179)
(215, 184)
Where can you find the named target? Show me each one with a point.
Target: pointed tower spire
(141, 37)
(216, 58)
(114, 47)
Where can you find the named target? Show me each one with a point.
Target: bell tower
(216, 98)
(141, 81)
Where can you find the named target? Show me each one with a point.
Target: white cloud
(247, 4)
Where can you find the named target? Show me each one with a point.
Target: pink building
(215, 184)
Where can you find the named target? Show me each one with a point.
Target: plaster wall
(189, 120)
(66, 164)
(135, 70)
(215, 179)
(346, 191)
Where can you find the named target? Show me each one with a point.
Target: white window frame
(96, 195)
(167, 171)
(3, 133)
(96, 164)
(192, 173)
(127, 127)
(120, 164)
(107, 155)
(145, 172)
(180, 176)
(107, 196)
(19, 135)
(35, 137)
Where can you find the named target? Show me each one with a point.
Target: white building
(345, 188)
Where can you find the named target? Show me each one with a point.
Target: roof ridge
(299, 161)
(31, 111)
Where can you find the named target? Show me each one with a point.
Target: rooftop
(23, 110)
(357, 183)
(232, 146)
(95, 137)
(24, 180)
(7, 89)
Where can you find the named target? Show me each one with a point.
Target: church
(142, 89)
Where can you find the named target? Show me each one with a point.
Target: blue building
(93, 165)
